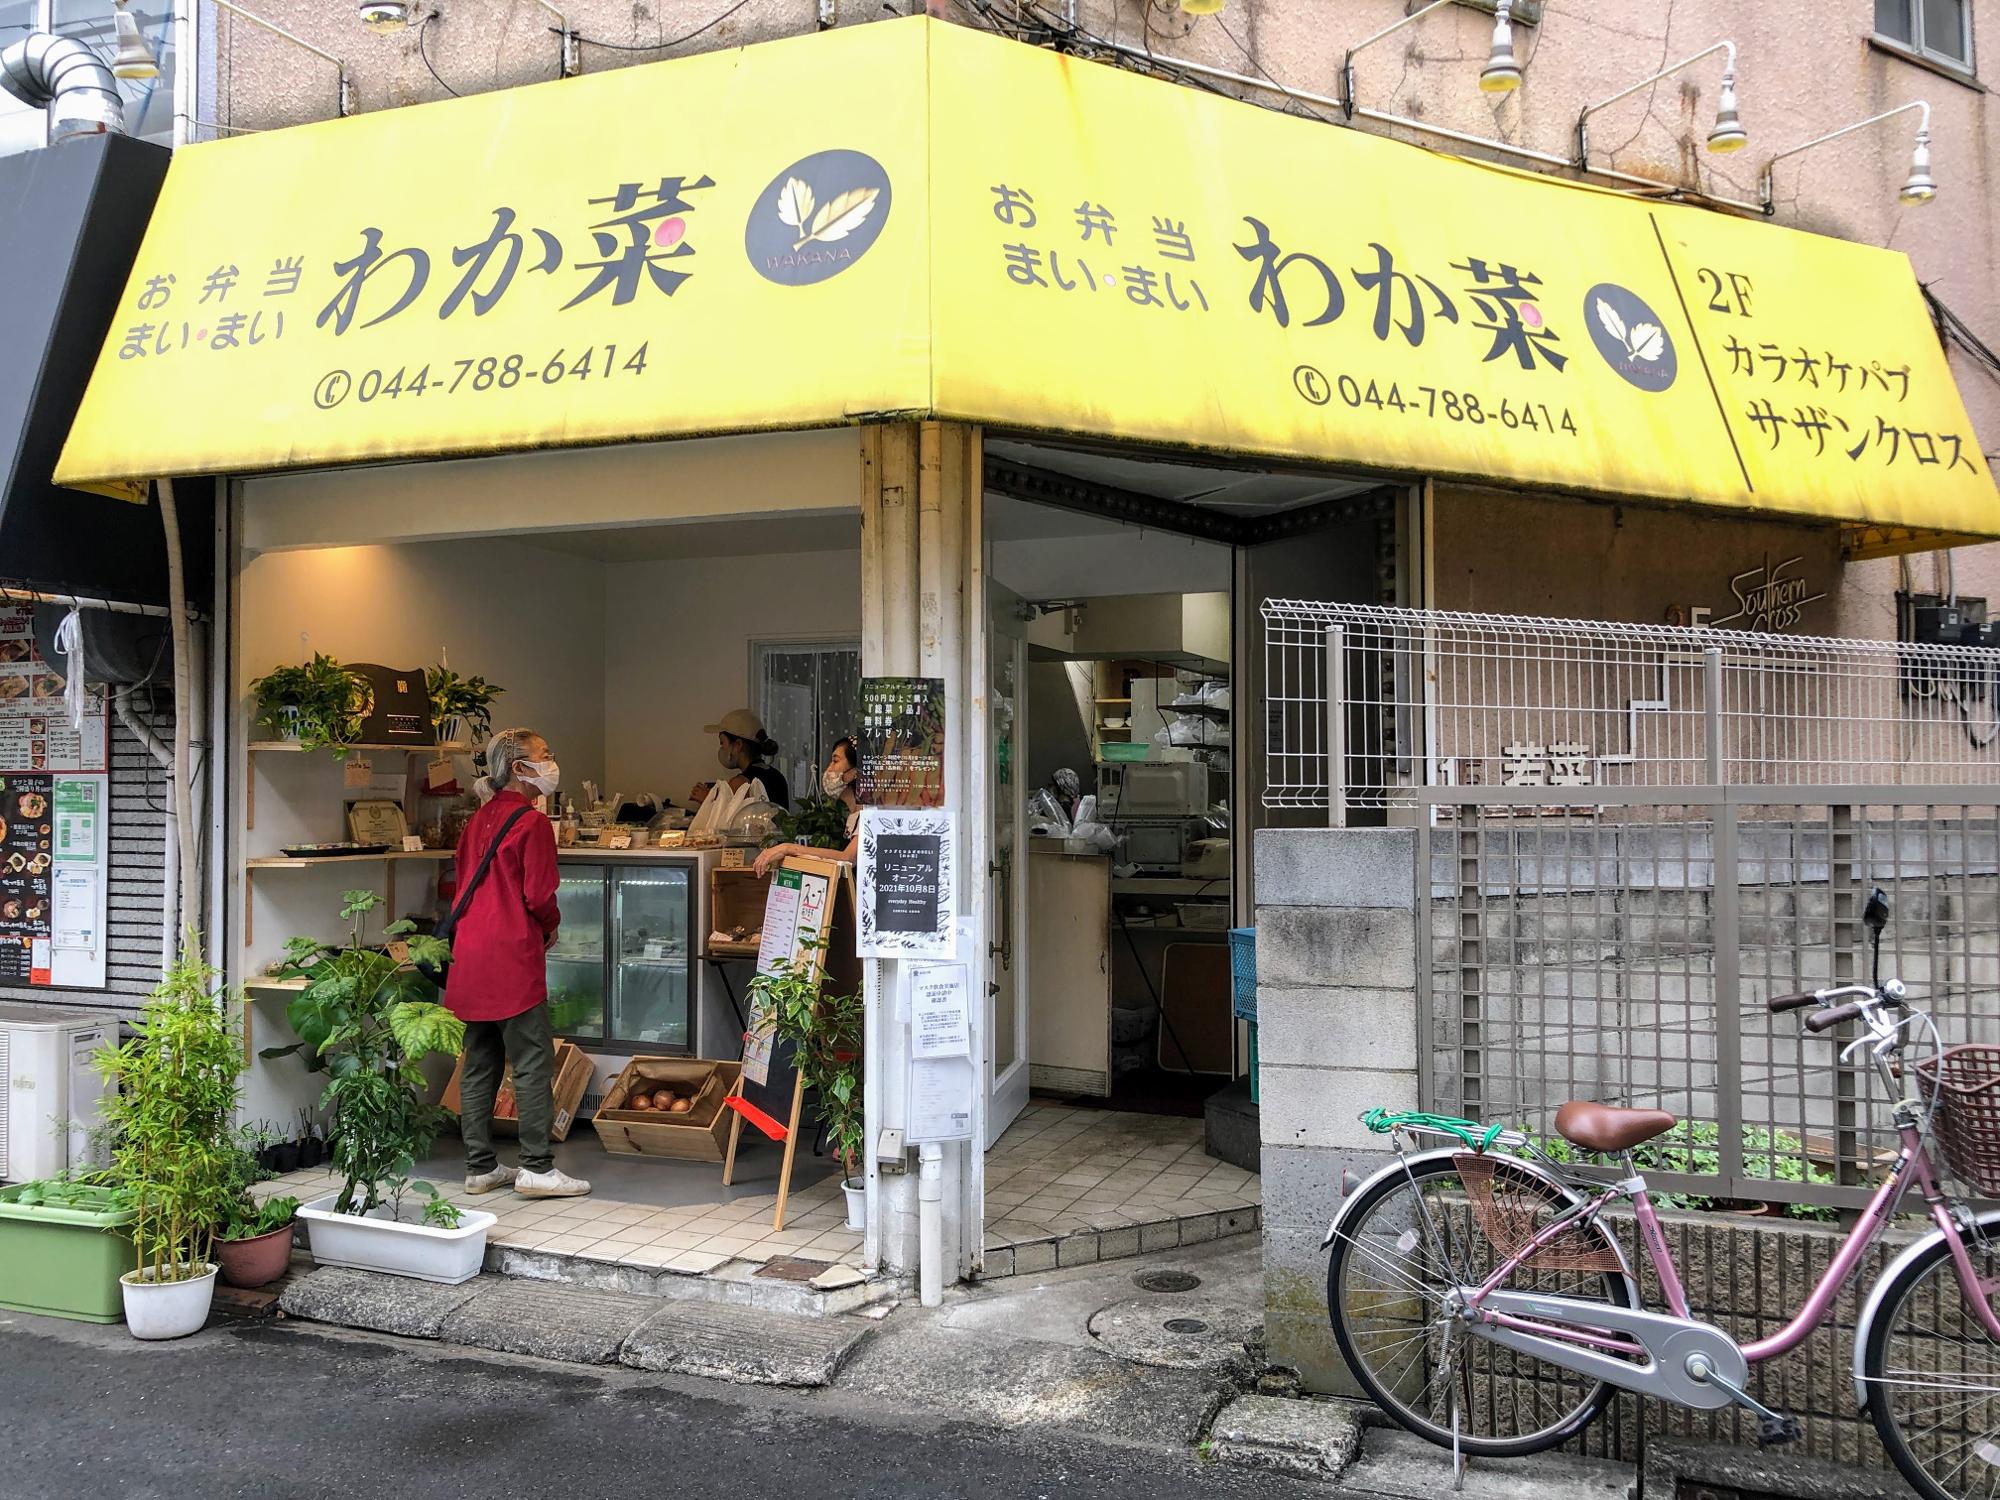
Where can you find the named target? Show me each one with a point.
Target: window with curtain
(809, 695)
(1939, 29)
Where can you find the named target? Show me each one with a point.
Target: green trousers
(526, 1042)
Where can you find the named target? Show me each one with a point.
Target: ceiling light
(135, 59)
(1919, 187)
(1728, 134)
(1502, 73)
(385, 16)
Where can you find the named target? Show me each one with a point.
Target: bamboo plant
(175, 1088)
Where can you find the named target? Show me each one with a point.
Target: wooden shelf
(286, 862)
(270, 985)
(732, 950)
(406, 748)
(1113, 700)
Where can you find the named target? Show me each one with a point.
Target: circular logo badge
(818, 217)
(1630, 336)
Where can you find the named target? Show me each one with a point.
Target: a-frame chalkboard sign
(811, 902)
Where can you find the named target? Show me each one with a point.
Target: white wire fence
(1368, 704)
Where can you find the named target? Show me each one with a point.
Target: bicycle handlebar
(1833, 1016)
(1779, 1003)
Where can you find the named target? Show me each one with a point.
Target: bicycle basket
(1512, 1207)
(1965, 1111)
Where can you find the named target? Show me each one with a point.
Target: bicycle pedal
(1776, 1431)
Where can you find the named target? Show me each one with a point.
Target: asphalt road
(278, 1411)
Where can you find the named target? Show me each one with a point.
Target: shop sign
(901, 740)
(906, 874)
(821, 228)
(1769, 597)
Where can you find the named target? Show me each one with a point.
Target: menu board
(35, 731)
(54, 811)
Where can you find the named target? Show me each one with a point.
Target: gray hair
(502, 751)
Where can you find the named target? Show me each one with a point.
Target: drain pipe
(45, 69)
(930, 1224)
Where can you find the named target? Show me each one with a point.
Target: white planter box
(377, 1242)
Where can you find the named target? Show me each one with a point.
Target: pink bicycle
(1477, 1293)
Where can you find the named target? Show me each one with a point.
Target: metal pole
(1336, 726)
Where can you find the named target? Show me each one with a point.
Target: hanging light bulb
(1502, 74)
(1202, 7)
(1728, 134)
(135, 59)
(1920, 187)
(385, 16)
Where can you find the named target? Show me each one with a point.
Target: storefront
(732, 408)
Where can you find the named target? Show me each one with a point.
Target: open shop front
(692, 430)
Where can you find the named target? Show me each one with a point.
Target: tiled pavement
(1063, 1186)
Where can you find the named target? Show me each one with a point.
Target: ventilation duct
(48, 70)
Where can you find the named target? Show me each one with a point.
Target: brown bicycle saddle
(1604, 1127)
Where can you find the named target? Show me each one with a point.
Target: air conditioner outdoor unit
(51, 1090)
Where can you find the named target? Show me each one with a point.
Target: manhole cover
(787, 1268)
(1166, 1281)
(1204, 1333)
(1185, 1325)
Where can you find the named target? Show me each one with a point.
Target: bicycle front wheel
(1933, 1377)
(1406, 1244)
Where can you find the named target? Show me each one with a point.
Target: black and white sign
(908, 880)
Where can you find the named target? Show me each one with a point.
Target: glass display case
(621, 973)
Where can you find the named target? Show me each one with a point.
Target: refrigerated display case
(625, 972)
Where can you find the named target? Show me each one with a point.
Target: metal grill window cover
(1564, 709)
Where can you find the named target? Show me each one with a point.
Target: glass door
(576, 962)
(1007, 875)
(649, 976)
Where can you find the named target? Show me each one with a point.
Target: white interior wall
(677, 640)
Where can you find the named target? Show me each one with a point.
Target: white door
(1006, 875)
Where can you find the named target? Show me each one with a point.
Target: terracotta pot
(254, 1262)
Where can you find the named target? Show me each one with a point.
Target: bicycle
(1478, 1295)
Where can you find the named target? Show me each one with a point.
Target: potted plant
(172, 1108)
(63, 1244)
(461, 707)
(372, 1018)
(818, 823)
(253, 1244)
(320, 704)
(825, 1031)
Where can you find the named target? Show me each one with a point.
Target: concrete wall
(1337, 1034)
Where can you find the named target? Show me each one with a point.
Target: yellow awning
(917, 218)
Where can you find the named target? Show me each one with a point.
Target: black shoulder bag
(437, 973)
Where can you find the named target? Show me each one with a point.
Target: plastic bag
(1046, 819)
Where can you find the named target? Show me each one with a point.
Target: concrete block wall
(1336, 1034)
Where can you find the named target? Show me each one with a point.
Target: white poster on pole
(907, 881)
(941, 1019)
(940, 1099)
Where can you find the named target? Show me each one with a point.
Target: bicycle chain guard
(1670, 1344)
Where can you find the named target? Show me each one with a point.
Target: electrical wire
(425, 55)
(589, 41)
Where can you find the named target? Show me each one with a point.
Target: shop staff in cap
(741, 748)
(498, 984)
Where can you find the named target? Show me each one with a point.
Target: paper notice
(940, 1099)
(940, 1019)
(356, 772)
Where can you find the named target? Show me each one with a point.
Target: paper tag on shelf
(619, 841)
(413, 843)
(356, 771)
(439, 773)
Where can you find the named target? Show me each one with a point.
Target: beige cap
(741, 722)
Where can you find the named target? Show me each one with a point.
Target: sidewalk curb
(1316, 1439)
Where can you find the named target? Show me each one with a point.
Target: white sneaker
(486, 1182)
(553, 1183)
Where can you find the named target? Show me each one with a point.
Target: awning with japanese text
(912, 217)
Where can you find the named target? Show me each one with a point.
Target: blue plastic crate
(1243, 971)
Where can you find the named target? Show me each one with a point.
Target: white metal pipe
(930, 1225)
(1923, 138)
(1667, 72)
(346, 87)
(187, 71)
(189, 893)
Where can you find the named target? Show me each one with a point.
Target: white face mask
(725, 756)
(832, 782)
(543, 775)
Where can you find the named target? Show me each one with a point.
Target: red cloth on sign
(497, 969)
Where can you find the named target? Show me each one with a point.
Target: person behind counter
(742, 748)
(498, 984)
(843, 771)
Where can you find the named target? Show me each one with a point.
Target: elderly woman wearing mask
(498, 983)
(843, 769)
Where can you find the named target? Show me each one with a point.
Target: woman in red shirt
(498, 984)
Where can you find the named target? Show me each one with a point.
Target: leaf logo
(817, 217)
(1630, 336)
(1642, 341)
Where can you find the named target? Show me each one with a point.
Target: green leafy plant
(1694, 1146)
(246, 1220)
(825, 1030)
(818, 823)
(172, 1106)
(467, 698)
(321, 702)
(371, 1018)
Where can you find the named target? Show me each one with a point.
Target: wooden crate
(698, 1135)
(736, 899)
(572, 1082)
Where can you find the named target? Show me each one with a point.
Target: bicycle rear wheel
(1408, 1241)
(1933, 1376)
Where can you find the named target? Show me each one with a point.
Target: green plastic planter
(65, 1262)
